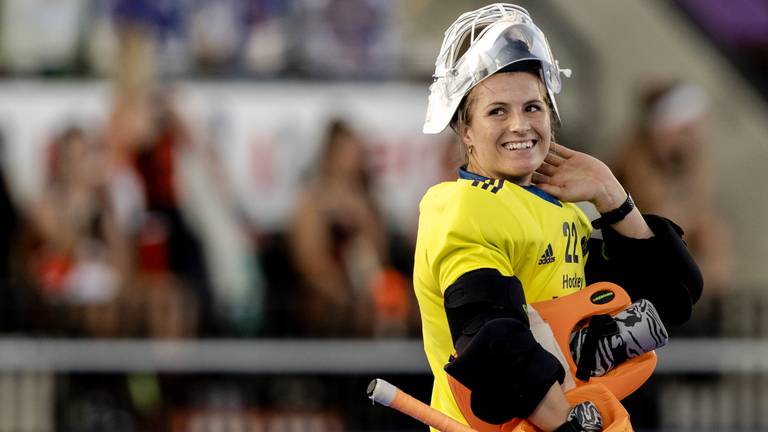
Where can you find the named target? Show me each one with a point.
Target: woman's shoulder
(457, 192)
(464, 198)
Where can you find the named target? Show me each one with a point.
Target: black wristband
(615, 215)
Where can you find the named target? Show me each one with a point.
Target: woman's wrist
(616, 215)
(611, 197)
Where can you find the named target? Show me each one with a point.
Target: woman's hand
(574, 176)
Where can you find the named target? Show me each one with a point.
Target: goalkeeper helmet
(495, 36)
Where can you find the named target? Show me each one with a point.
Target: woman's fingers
(547, 169)
(558, 154)
(539, 178)
(553, 159)
(551, 189)
(561, 150)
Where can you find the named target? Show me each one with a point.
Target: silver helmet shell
(496, 36)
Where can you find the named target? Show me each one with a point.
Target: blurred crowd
(106, 250)
(327, 39)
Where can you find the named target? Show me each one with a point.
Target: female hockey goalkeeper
(506, 233)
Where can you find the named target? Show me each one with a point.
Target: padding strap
(599, 326)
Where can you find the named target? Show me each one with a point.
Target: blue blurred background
(209, 206)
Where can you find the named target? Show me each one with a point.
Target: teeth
(518, 145)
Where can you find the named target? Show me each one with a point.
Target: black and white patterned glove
(584, 417)
(638, 330)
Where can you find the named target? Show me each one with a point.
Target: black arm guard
(508, 372)
(660, 269)
(480, 296)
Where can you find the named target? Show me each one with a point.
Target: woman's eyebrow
(506, 104)
(499, 103)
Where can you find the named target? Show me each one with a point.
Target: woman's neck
(520, 181)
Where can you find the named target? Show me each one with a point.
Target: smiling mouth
(519, 145)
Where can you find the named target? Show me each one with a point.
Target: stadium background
(256, 83)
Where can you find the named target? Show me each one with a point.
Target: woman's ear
(466, 135)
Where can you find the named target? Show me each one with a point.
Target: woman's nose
(518, 123)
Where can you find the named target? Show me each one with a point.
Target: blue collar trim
(467, 175)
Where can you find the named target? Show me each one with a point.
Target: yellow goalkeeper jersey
(475, 223)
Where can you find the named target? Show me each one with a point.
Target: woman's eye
(533, 108)
(496, 111)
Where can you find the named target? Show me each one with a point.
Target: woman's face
(347, 157)
(509, 131)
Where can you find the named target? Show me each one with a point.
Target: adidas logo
(548, 256)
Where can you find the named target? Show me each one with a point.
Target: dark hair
(336, 131)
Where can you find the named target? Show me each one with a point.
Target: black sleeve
(660, 269)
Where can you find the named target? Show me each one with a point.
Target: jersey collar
(468, 175)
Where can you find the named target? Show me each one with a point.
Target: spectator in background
(78, 254)
(170, 266)
(339, 245)
(346, 38)
(266, 48)
(664, 163)
(216, 30)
